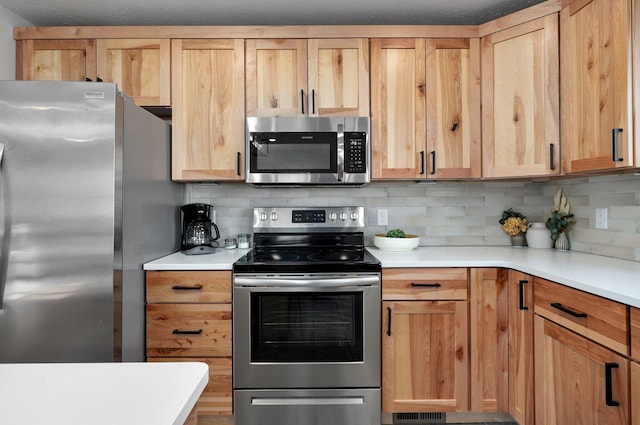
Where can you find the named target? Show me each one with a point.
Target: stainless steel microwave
(298, 151)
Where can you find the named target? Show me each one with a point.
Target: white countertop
(100, 393)
(611, 278)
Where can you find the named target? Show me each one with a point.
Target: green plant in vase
(560, 218)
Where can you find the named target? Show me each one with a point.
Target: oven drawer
(425, 284)
(188, 287)
(597, 318)
(189, 330)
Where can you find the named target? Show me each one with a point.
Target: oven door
(306, 331)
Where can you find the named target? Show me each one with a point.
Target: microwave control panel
(355, 152)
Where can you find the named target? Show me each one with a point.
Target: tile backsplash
(453, 213)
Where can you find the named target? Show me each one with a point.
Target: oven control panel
(308, 218)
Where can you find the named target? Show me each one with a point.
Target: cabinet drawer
(597, 318)
(635, 333)
(189, 330)
(216, 399)
(425, 284)
(188, 287)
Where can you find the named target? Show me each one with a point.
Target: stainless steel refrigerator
(85, 200)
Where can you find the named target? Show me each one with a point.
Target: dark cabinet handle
(433, 162)
(552, 164)
(302, 100)
(521, 284)
(313, 101)
(389, 322)
(615, 142)
(569, 311)
(186, 288)
(421, 162)
(88, 80)
(181, 332)
(239, 163)
(608, 384)
(426, 285)
(98, 79)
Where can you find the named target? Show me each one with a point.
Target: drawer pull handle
(186, 288)
(181, 332)
(608, 384)
(521, 284)
(569, 311)
(426, 285)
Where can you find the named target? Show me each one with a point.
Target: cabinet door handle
(187, 332)
(421, 162)
(389, 321)
(239, 163)
(313, 101)
(433, 162)
(521, 285)
(302, 100)
(552, 165)
(568, 310)
(426, 285)
(615, 142)
(186, 288)
(608, 384)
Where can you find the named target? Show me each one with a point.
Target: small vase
(538, 236)
(518, 240)
(562, 243)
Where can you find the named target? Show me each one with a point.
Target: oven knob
(343, 216)
(333, 216)
(274, 216)
(354, 215)
(263, 216)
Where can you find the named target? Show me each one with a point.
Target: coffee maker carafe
(199, 233)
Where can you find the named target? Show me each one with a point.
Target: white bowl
(396, 244)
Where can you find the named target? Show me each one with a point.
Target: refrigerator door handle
(4, 239)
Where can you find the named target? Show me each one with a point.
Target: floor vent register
(424, 418)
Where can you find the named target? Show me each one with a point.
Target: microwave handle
(341, 151)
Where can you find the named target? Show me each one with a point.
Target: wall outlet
(383, 217)
(601, 218)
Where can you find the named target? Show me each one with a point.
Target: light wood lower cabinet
(521, 371)
(425, 342)
(635, 365)
(188, 317)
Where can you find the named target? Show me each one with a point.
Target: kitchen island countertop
(100, 393)
(612, 278)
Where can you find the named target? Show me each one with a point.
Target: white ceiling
(262, 12)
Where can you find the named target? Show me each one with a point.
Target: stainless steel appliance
(308, 151)
(85, 200)
(199, 233)
(306, 322)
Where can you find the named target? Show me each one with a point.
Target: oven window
(304, 327)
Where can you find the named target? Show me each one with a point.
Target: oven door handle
(305, 401)
(311, 281)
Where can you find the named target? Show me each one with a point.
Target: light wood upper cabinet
(520, 86)
(597, 130)
(208, 105)
(58, 60)
(140, 67)
(425, 108)
(297, 77)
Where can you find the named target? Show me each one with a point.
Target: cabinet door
(489, 338)
(398, 106)
(597, 131)
(578, 381)
(208, 100)
(338, 77)
(521, 387)
(276, 77)
(425, 360)
(520, 85)
(453, 108)
(635, 393)
(60, 60)
(140, 67)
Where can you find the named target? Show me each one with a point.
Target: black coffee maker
(199, 233)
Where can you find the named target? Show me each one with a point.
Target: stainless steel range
(306, 321)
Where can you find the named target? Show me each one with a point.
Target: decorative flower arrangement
(560, 218)
(513, 222)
